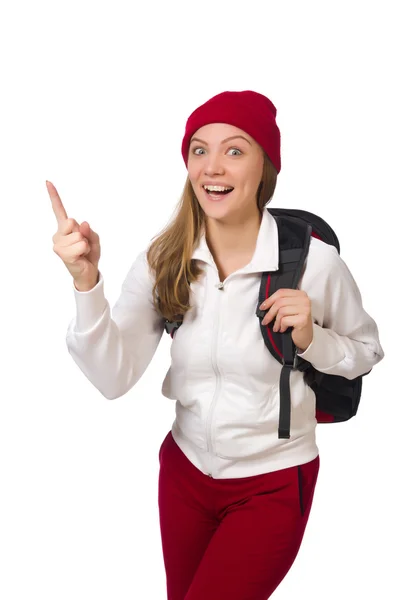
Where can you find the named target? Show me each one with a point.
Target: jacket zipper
(220, 286)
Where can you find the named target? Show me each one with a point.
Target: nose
(213, 164)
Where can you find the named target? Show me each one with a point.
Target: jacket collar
(265, 257)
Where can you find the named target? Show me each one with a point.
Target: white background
(95, 96)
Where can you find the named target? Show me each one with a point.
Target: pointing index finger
(57, 206)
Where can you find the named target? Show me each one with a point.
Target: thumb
(89, 233)
(85, 229)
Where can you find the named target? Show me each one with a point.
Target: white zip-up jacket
(222, 376)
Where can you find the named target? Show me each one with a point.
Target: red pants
(230, 539)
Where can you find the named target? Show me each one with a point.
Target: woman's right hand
(77, 245)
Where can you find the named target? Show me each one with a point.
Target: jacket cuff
(324, 352)
(90, 306)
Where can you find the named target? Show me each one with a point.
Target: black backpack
(337, 398)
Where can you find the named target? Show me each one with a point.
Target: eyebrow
(223, 141)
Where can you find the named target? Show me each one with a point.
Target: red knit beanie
(248, 110)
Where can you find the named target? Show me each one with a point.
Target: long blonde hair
(169, 256)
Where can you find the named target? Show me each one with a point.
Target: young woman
(234, 499)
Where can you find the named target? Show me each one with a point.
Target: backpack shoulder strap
(172, 326)
(294, 236)
(294, 241)
(320, 228)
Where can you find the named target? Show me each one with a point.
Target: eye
(237, 150)
(194, 151)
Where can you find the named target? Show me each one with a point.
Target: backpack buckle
(291, 364)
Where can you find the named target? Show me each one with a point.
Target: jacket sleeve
(345, 338)
(114, 348)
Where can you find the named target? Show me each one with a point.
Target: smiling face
(224, 155)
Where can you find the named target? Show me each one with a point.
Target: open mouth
(219, 194)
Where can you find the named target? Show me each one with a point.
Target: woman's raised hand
(77, 245)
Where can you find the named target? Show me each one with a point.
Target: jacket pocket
(191, 425)
(245, 427)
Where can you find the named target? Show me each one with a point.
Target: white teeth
(216, 188)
